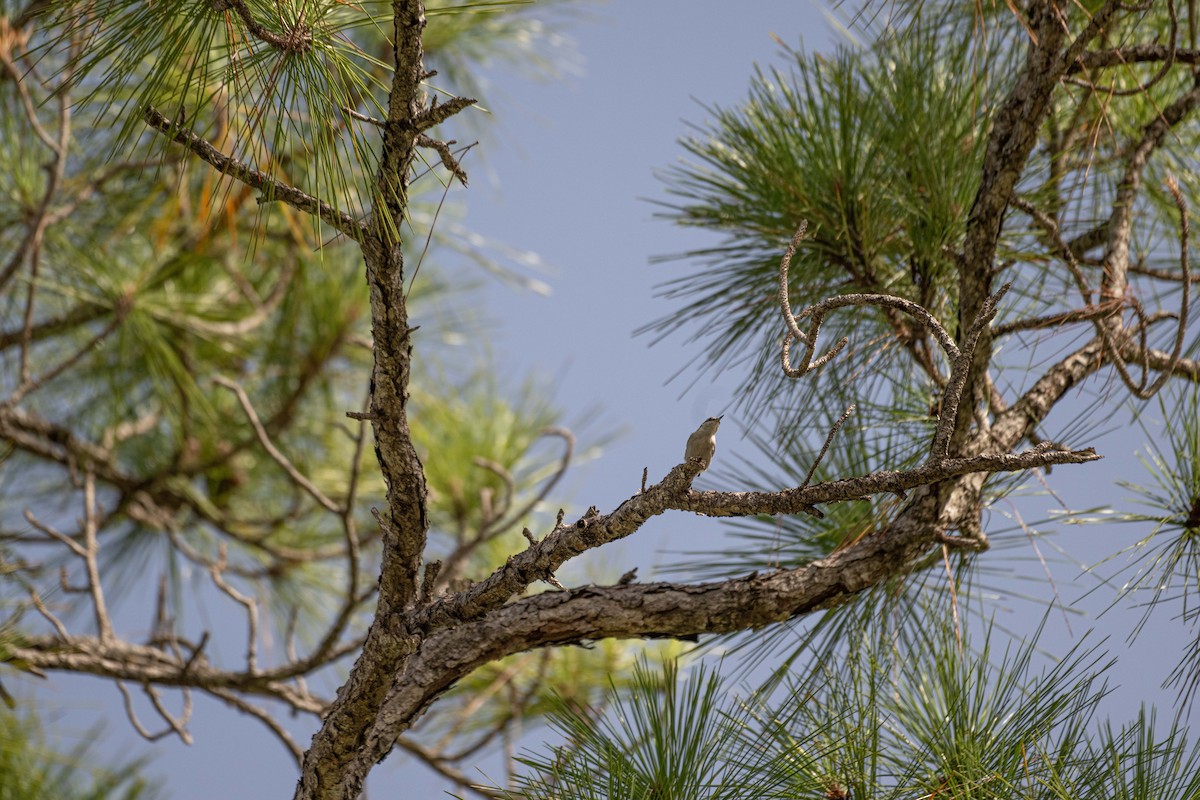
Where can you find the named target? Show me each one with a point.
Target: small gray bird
(702, 444)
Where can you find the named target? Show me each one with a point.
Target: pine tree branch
(683, 611)
(674, 493)
(297, 40)
(1134, 54)
(271, 188)
(328, 770)
(1013, 135)
(123, 660)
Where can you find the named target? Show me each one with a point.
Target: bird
(702, 444)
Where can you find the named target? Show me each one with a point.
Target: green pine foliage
(915, 717)
(31, 768)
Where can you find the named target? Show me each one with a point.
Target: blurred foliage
(33, 769)
(159, 276)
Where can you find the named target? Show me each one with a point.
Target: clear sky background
(570, 174)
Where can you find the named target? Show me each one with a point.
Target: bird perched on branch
(702, 444)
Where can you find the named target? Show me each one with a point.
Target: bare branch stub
(278, 457)
(443, 151)
(828, 441)
(247, 602)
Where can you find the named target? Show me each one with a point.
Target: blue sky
(570, 174)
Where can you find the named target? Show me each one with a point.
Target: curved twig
(297, 40)
(793, 329)
(818, 311)
(1168, 59)
(1098, 313)
(492, 514)
(131, 714)
(564, 463)
(1184, 300)
(247, 602)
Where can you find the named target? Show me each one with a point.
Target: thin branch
(271, 188)
(279, 458)
(281, 733)
(1107, 307)
(87, 552)
(33, 383)
(1087, 314)
(176, 725)
(828, 441)
(1067, 253)
(1168, 60)
(809, 340)
(491, 514)
(61, 629)
(564, 464)
(442, 768)
(246, 602)
(76, 317)
(91, 550)
(297, 40)
(289, 640)
(1120, 222)
(27, 102)
(71, 544)
(1184, 300)
(350, 528)
(262, 312)
(136, 723)
(1134, 54)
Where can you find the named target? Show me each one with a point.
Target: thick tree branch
(390, 640)
(1134, 54)
(467, 630)
(1115, 262)
(685, 610)
(1013, 136)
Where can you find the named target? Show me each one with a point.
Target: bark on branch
(271, 188)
